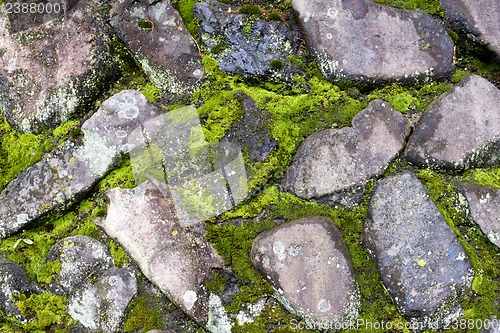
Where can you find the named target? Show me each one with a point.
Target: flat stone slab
(336, 160)
(72, 169)
(484, 206)
(156, 35)
(177, 260)
(365, 41)
(307, 262)
(477, 18)
(420, 259)
(460, 129)
(49, 72)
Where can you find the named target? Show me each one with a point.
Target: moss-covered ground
(296, 110)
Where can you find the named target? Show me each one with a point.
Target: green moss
(253, 10)
(459, 75)
(484, 177)
(47, 271)
(119, 255)
(217, 284)
(146, 25)
(432, 7)
(142, 316)
(274, 16)
(186, 11)
(276, 64)
(151, 92)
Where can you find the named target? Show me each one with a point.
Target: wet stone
(460, 129)
(307, 262)
(365, 41)
(420, 259)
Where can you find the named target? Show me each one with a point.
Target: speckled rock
(49, 72)
(100, 305)
(178, 260)
(336, 160)
(13, 282)
(365, 41)
(460, 129)
(251, 132)
(73, 168)
(307, 262)
(163, 45)
(484, 206)
(81, 257)
(244, 45)
(478, 19)
(421, 261)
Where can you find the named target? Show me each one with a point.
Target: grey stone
(72, 169)
(336, 160)
(307, 262)
(478, 19)
(166, 52)
(251, 131)
(365, 41)
(421, 261)
(460, 129)
(492, 325)
(51, 71)
(484, 206)
(176, 259)
(81, 257)
(100, 305)
(237, 50)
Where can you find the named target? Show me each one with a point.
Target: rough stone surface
(484, 206)
(244, 45)
(336, 160)
(460, 129)
(178, 260)
(421, 262)
(364, 41)
(72, 169)
(13, 281)
(166, 52)
(480, 19)
(251, 132)
(307, 262)
(100, 305)
(81, 257)
(49, 72)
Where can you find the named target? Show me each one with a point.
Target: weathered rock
(100, 305)
(178, 260)
(81, 257)
(244, 45)
(492, 326)
(251, 132)
(156, 35)
(477, 18)
(51, 71)
(365, 41)
(484, 205)
(421, 262)
(13, 282)
(72, 169)
(337, 160)
(308, 263)
(460, 129)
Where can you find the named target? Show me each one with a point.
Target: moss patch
(432, 7)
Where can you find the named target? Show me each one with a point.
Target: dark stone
(163, 45)
(421, 261)
(308, 264)
(460, 129)
(52, 71)
(368, 42)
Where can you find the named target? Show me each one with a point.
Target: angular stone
(251, 132)
(72, 169)
(421, 261)
(336, 160)
(178, 260)
(245, 52)
(81, 257)
(307, 262)
(484, 206)
(100, 305)
(365, 41)
(460, 129)
(163, 45)
(477, 18)
(53, 70)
